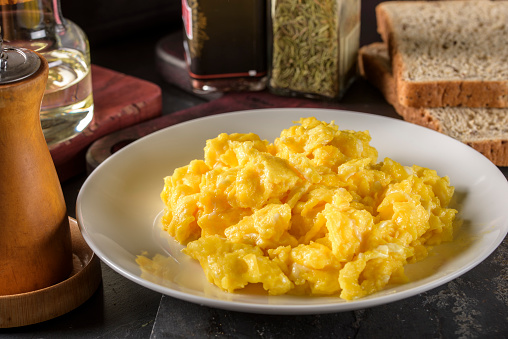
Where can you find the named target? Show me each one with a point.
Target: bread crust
(439, 93)
(374, 65)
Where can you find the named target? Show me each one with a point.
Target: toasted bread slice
(447, 53)
(484, 129)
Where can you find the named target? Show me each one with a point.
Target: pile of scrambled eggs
(312, 213)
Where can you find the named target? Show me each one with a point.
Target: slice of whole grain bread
(484, 129)
(447, 53)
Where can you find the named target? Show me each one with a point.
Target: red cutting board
(120, 101)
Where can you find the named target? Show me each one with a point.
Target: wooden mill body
(35, 242)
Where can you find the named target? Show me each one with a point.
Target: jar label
(229, 41)
(187, 18)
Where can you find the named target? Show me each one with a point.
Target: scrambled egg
(312, 213)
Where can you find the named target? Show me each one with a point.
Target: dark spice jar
(225, 44)
(314, 47)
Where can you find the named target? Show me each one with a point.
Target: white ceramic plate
(118, 205)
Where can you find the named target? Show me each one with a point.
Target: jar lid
(17, 64)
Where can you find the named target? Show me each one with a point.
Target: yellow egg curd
(312, 213)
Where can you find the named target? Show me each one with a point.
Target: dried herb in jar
(314, 46)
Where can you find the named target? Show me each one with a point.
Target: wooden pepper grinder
(35, 242)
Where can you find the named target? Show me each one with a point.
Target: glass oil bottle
(67, 106)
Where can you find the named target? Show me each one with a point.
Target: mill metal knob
(16, 63)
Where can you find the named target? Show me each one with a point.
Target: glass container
(67, 106)
(314, 46)
(225, 44)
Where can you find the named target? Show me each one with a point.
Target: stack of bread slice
(444, 65)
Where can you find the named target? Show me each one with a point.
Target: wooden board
(120, 101)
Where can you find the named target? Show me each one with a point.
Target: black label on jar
(224, 38)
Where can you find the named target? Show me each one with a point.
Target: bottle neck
(55, 9)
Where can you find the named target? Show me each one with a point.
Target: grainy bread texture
(447, 53)
(484, 129)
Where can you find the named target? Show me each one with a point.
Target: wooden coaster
(50, 302)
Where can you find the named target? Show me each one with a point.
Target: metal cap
(17, 64)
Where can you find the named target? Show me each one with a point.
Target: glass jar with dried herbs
(314, 47)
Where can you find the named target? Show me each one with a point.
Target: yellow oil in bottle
(67, 106)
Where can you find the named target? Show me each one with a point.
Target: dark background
(105, 21)
(108, 20)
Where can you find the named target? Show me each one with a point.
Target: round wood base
(50, 302)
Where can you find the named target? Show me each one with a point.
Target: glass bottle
(225, 44)
(313, 47)
(67, 106)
